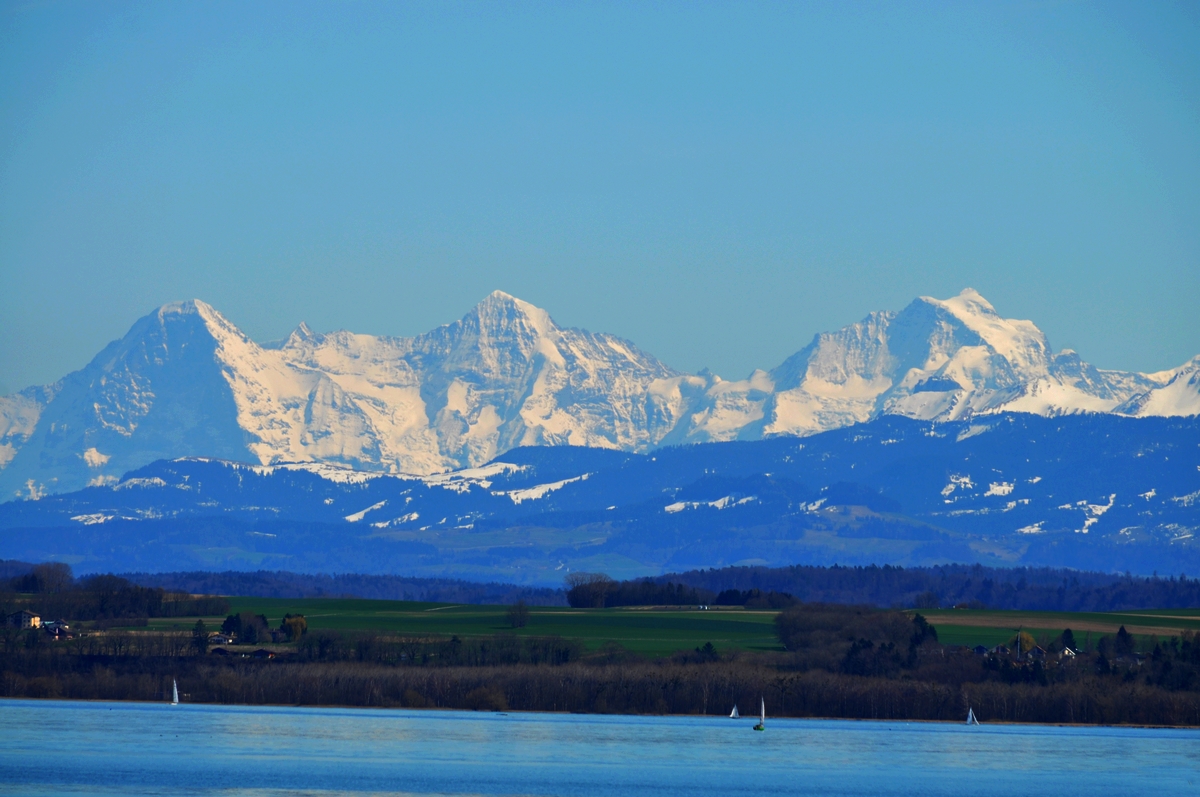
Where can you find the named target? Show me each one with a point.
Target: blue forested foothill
(1089, 492)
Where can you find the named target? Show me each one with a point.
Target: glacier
(186, 382)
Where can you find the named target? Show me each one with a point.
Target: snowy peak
(500, 314)
(185, 381)
(1175, 393)
(934, 360)
(1021, 343)
(158, 389)
(505, 332)
(300, 336)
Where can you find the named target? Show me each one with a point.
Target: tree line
(52, 591)
(684, 684)
(284, 584)
(598, 591)
(1035, 589)
(976, 586)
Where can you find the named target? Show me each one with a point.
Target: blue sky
(716, 182)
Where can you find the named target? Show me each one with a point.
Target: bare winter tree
(588, 590)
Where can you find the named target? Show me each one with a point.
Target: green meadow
(663, 631)
(655, 632)
(992, 627)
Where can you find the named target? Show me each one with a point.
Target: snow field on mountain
(505, 375)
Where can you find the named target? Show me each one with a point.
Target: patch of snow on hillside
(1092, 512)
(339, 474)
(1148, 494)
(1034, 480)
(93, 518)
(383, 524)
(153, 481)
(541, 490)
(94, 458)
(357, 516)
(721, 503)
(1100, 509)
(1187, 500)
(958, 482)
(972, 431)
(1035, 528)
(461, 480)
(999, 488)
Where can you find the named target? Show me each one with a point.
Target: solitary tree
(588, 590)
(53, 576)
(1125, 643)
(1068, 639)
(200, 637)
(518, 615)
(294, 625)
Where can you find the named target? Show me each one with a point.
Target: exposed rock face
(186, 382)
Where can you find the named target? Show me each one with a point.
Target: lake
(78, 748)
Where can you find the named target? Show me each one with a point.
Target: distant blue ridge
(1090, 492)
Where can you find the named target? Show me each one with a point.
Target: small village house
(25, 619)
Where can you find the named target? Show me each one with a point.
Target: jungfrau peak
(186, 382)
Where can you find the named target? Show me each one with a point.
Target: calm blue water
(142, 749)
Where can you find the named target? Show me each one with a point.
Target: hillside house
(25, 619)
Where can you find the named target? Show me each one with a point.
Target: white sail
(762, 712)
(733, 715)
(174, 692)
(971, 717)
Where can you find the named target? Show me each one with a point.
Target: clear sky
(716, 182)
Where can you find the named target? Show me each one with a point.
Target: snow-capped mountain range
(186, 382)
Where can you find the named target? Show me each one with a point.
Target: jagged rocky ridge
(186, 382)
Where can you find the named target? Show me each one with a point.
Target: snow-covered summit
(185, 381)
(934, 360)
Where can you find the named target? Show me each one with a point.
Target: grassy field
(991, 627)
(658, 632)
(647, 631)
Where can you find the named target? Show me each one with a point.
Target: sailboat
(734, 715)
(762, 716)
(971, 717)
(174, 692)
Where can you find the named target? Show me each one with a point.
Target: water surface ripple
(79, 748)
